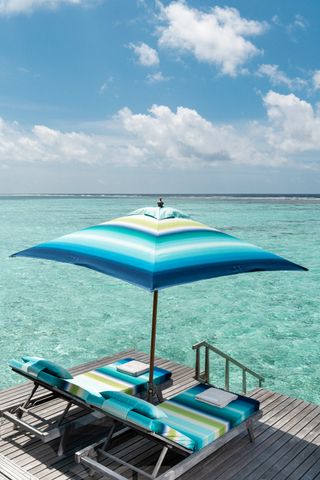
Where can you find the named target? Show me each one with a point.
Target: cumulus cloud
(11, 7)
(180, 138)
(217, 37)
(277, 77)
(44, 144)
(40, 144)
(146, 56)
(316, 80)
(185, 139)
(294, 124)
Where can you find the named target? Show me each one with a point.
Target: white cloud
(217, 37)
(277, 77)
(316, 80)
(294, 124)
(106, 85)
(103, 88)
(276, 20)
(186, 139)
(157, 77)
(146, 56)
(179, 138)
(11, 7)
(44, 144)
(298, 23)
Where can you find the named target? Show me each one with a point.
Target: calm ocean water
(270, 321)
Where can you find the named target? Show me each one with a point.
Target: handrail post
(207, 365)
(197, 367)
(204, 376)
(227, 375)
(244, 381)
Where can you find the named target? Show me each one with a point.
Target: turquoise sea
(270, 321)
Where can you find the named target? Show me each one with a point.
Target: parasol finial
(160, 203)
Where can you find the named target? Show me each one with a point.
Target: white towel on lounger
(133, 368)
(216, 397)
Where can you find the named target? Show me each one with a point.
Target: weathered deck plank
(287, 442)
(11, 471)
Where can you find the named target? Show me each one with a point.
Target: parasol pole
(153, 344)
(151, 391)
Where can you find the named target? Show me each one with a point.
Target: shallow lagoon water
(270, 321)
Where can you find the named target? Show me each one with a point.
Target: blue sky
(159, 96)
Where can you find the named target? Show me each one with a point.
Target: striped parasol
(156, 248)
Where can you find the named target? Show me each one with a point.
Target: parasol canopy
(156, 248)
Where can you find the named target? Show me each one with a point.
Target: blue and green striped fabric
(234, 413)
(88, 386)
(156, 248)
(183, 420)
(201, 422)
(145, 415)
(107, 378)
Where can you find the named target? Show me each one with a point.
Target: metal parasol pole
(153, 345)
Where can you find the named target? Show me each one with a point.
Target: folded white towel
(216, 397)
(133, 368)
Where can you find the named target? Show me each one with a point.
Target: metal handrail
(204, 376)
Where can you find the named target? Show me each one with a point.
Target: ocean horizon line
(172, 194)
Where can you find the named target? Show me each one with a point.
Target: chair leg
(159, 394)
(63, 443)
(159, 462)
(93, 474)
(109, 437)
(64, 414)
(250, 431)
(26, 403)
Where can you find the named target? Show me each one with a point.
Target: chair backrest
(146, 416)
(127, 407)
(41, 369)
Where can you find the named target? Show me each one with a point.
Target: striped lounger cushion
(183, 420)
(109, 378)
(201, 422)
(143, 414)
(90, 383)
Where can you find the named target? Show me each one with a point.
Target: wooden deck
(287, 440)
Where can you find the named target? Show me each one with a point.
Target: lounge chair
(184, 424)
(75, 390)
